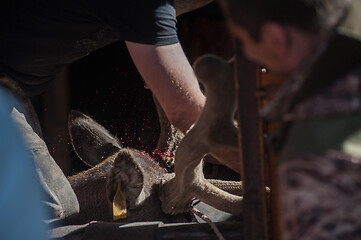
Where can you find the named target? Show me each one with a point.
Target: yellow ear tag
(119, 205)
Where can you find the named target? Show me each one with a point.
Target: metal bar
(268, 84)
(148, 231)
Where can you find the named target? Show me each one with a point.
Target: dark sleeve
(143, 21)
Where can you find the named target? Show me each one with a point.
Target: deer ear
(92, 142)
(130, 174)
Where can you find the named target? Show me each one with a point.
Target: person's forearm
(170, 77)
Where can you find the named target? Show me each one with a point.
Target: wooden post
(55, 116)
(252, 171)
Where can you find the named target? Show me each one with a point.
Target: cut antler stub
(214, 130)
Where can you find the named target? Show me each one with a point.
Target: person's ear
(276, 37)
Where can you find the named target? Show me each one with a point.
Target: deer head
(138, 173)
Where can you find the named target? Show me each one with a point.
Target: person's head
(280, 34)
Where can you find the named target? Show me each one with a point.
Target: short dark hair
(310, 16)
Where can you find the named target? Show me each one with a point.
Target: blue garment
(21, 211)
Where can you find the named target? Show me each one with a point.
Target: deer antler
(169, 139)
(214, 130)
(184, 6)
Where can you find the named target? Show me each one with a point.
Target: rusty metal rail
(252, 150)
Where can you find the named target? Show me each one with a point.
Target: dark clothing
(39, 37)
